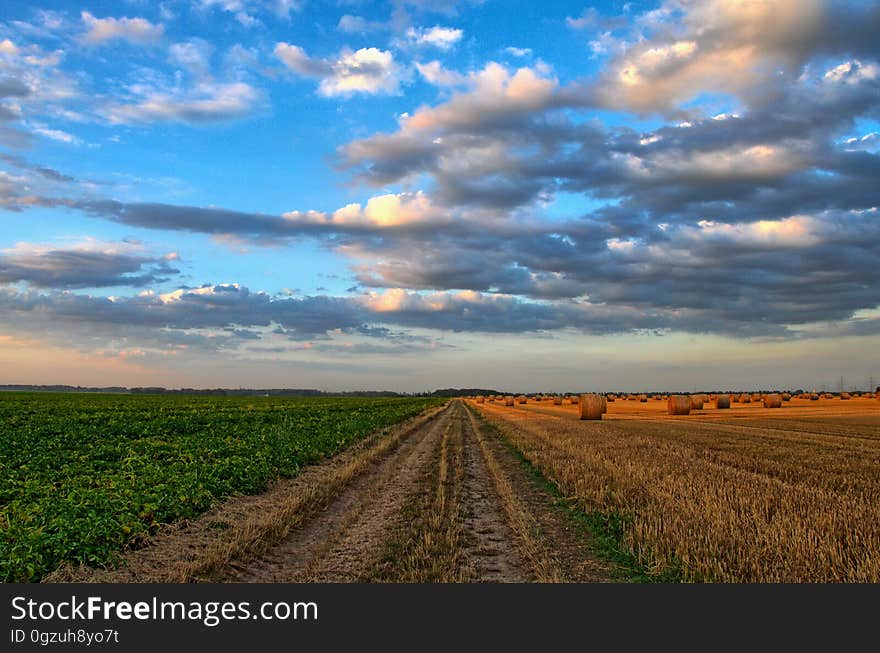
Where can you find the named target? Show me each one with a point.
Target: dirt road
(450, 503)
(440, 498)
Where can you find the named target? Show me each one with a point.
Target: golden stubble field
(747, 494)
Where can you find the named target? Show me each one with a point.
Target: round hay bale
(557, 401)
(610, 398)
(697, 402)
(844, 395)
(643, 399)
(773, 401)
(522, 399)
(508, 400)
(786, 396)
(481, 399)
(814, 396)
(678, 405)
(722, 401)
(745, 399)
(658, 397)
(592, 406)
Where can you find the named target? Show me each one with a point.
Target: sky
(415, 194)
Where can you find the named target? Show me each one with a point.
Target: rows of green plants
(85, 476)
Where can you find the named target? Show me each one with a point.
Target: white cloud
(56, 135)
(368, 70)
(495, 91)
(395, 300)
(853, 72)
(794, 231)
(244, 11)
(442, 38)
(134, 30)
(193, 56)
(588, 19)
(518, 52)
(381, 211)
(204, 103)
(350, 24)
(435, 73)
(295, 58)
(8, 47)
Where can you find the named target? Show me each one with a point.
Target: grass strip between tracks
(603, 531)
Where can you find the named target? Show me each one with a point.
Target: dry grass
(431, 550)
(744, 499)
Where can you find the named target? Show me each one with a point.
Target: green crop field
(83, 476)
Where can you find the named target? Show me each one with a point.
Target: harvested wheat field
(745, 494)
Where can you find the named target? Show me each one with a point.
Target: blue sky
(415, 194)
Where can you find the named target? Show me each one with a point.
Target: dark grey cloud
(230, 317)
(13, 87)
(43, 171)
(79, 267)
(235, 311)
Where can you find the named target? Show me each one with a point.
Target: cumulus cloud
(368, 71)
(470, 145)
(382, 211)
(727, 46)
(134, 30)
(434, 73)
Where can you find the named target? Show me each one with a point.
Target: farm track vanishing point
(439, 498)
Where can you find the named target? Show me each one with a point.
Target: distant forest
(238, 392)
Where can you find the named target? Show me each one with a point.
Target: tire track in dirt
(491, 543)
(552, 548)
(345, 541)
(480, 517)
(454, 530)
